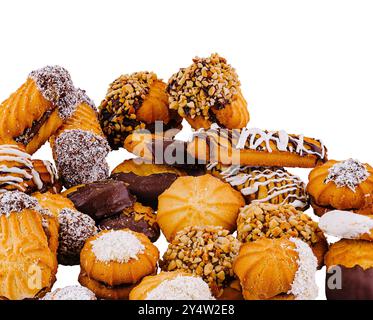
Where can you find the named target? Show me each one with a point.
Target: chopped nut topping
(260, 220)
(208, 82)
(124, 97)
(141, 213)
(205, 251)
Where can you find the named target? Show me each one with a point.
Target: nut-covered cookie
(208, 91)
(263, 220)
(134, 102)
(277, 268)
(208, 252)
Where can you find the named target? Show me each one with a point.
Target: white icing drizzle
(51, 170)
(236, 175)
(11, 153)
(257, 137)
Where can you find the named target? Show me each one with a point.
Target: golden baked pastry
(55, 203)
(142, 168)
(104, 291)
(74, 227)
(146, 180)
(349, 270)
(19, 172)
(133, 102)
(272, 268)
(48, 175)
(350, 253)
(255, 147)
(262, 220)
(118, 257)
(198, 201)
(206, 251)
(38, 108)
(262, 184)
(163, 149)
(208, 91)
(80, 147)
(171, 286)
(232, 292)
(28, 263)
(342, 185)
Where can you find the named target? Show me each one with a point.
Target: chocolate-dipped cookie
(137, 218)
(162, 149)
(145, 180)
(101, 199)
(349, 273)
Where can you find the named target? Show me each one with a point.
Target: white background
(305, 66)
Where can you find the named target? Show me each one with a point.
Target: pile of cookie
(233, 216)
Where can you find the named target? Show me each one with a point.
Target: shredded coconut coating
(83, 98)
(208, 82)
(345, 224)
(349, 173)
(70, 293)
(16, 201)
(124, 97)
(304, 286)
(181, 288)
(207, 252)
(75, 229)
(56, 86)
(80, 157)
(120, 246)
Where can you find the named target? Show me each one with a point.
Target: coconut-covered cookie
(75, 229)
(70, 293)
(277, 269)
(113, 261)
(172, 286)
(81, 157)
(347, 225)
(263, 220)
(342, 185)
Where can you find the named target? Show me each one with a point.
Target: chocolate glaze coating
(123, 221)
(179, 156)
(146, 188)
(102, 199)
(357, 284)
